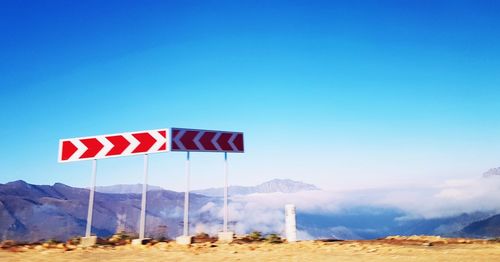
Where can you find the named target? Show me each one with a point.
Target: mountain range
(33, 212)
(37, 212)
(272, 186)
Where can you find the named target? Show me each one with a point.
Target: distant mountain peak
(285, 186)
(60, 185)
(492, 172)
(18, 183)
(272, 186)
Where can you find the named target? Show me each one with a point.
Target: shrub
(273, 239)
(74, 241)
(162, 239)
(202, 235)
(121, 238)
(255, 236)
(203, 238)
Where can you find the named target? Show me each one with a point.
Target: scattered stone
(70, 247)
(141, 241)
(433, 243)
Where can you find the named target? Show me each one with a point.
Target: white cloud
(265, 212)
(451, 198)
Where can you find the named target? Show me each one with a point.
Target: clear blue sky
(335, 93)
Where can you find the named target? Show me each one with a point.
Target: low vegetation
(255, 236)
(273, 239)
(121, 238)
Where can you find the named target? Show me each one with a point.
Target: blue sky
(335, 93)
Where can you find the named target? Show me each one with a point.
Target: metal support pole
(225, 192)
(186, 198)
(91, 198)
(143, 202)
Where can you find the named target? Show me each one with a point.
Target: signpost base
(184, 240)
(225, 237)
(88, 241)
(140, 241)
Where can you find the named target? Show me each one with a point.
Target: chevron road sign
(144, 143)
(104, 146)
(196, 140)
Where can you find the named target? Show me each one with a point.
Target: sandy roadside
(303, 251)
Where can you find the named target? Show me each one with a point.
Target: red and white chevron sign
(206, 140)
(123, 144)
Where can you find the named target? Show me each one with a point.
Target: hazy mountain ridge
(125, 189)
(34, 212)
(489, 227)
(272, 186)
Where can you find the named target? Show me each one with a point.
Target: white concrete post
(186, 198)
(91, 198)
(186, 239)
(225, 192)
(142, 225)
(225, 236)
(290, 223)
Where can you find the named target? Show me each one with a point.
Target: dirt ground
(377, 250)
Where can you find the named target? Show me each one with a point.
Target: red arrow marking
(188, 140)
(238, 142)
(93, 147)
(146, 142)
(223, 142)
(68, 149)
(119, 142)
(174, 134)
(163, 133)
(206, 140)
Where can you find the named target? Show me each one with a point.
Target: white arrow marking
(214, 141)
(160, 140)
(79, 152)
(177, 139)
(197, 140)
(231, 140)
(133, 143)
(107, 146)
